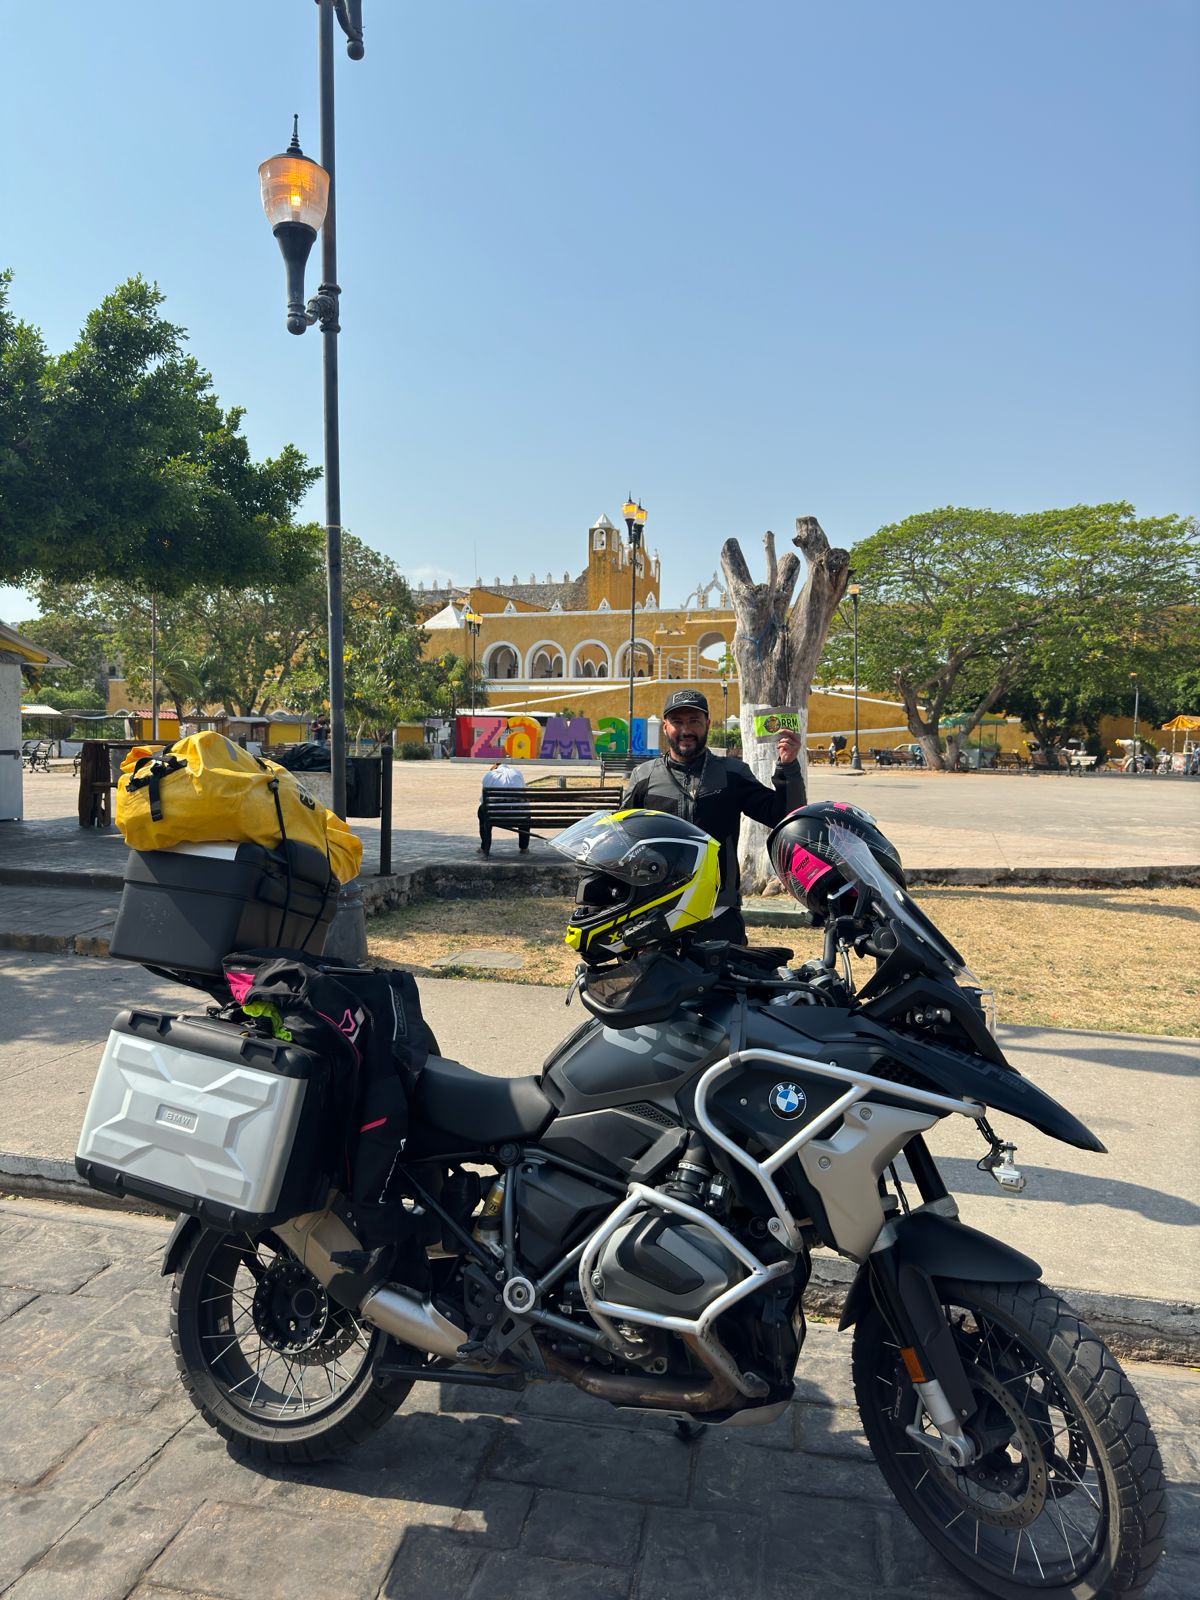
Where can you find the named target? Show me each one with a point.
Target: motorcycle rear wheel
(268, 1359)
(1068, 1503)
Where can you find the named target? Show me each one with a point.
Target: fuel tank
(616, 1089)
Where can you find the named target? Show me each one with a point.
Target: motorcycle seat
(478, 1107)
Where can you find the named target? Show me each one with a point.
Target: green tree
(118, 463)
(968, 610)
(386, 678)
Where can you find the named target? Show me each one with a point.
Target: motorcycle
(638, 1219)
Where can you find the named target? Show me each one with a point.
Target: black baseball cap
(689, 699)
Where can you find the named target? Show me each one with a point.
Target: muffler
(412, 1319)
(324, 1244)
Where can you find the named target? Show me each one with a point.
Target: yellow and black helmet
(645, 876)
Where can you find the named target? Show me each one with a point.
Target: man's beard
(693, 752)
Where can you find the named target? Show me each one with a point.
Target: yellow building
(543, 646)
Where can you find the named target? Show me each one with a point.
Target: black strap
(152, 780)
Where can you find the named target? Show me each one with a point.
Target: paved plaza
(1005, 821)
(113, 1487)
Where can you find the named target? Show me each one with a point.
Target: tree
(386, 678)
(777, 646)
(969, 608)
(118, 463)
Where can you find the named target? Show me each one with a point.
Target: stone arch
(593, 653)
(545, 659)
(501, 660)
(710, 647)
(643, 660)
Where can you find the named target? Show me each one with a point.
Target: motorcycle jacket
(715, 792)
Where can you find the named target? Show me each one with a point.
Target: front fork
(909, 1302)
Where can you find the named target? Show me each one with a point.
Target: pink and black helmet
(805, 861)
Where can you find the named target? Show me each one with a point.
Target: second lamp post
(854, 590)
(635, 522)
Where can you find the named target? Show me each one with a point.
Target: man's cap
(690, 699)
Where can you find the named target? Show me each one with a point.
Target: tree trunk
(777, 650)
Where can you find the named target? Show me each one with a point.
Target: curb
(1135, 1329)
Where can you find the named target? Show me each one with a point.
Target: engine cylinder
(656, 1264)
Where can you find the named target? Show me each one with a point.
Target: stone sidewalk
(113, 1487)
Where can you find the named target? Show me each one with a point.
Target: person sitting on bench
(500, 776)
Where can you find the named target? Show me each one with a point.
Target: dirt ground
(1116, 960)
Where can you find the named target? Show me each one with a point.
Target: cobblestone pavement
(113, 1487)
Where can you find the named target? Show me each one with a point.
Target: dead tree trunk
(777, 646)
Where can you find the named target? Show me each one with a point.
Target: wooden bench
(540, 806)
(621, 765)
(1010, 761)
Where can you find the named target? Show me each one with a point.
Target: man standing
(714, 792)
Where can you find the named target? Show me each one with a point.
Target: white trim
(573, 659)
(621, 670)
(544, 644)
(500, 644)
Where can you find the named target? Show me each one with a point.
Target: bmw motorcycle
(637, 1219)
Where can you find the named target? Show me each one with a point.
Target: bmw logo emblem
(788, 1101)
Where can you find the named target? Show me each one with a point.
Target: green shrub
(413, 750)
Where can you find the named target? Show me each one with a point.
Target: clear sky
(745, 259)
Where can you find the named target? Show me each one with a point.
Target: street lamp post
(1136, 689)
(854, 590)
(300, 199)
(473, 622)
(635, 522)
(725, 711)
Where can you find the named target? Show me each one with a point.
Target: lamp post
(299, 198)
(854, 590)
(1136, 689)
(635, 522)
(473, 622)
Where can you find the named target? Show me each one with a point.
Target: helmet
(646, 875)
(805, 861)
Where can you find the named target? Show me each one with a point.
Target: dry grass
(1116, 960)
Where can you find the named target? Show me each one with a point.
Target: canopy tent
(1185, 725)
(40, 711)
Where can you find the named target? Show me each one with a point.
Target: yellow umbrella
(1184, 724)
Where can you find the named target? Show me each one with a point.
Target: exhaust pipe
(412, 1319)
(318, 1236)
(646, 1392)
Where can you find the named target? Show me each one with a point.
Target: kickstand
(689, 1431)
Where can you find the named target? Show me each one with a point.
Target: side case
(198, 1115)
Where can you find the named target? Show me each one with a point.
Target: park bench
(35, 755)
(621, 765)
(542, 807)
(1010, 761)
(1049, 761)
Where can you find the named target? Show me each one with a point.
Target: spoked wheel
(1066, 1494)
(267, 1358)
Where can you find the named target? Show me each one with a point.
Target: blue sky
(746, 260)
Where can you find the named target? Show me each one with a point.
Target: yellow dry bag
(207, 790)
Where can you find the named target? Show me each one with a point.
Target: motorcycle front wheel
(1065, 1499)
(268, 1359)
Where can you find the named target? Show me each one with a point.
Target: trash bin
(364, 786)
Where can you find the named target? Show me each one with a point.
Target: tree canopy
(969, 610)
(118, 462)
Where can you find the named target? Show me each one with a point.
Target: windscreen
(860, 866)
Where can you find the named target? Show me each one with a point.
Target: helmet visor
(601, 843)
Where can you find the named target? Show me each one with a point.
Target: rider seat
(477, 1107)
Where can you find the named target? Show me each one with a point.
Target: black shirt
(715, 792)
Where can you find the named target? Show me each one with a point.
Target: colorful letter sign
(560, 738)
